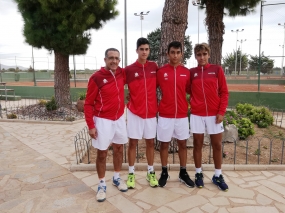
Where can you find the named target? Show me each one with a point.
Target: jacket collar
(140, 65)
(204, 67)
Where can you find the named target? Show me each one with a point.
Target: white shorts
(139, 128)
(109, 132)
(205, 124)
(168, 128)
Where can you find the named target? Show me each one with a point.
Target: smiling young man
(209, 99)
(142, 109)
(104, 109)
(173, 80)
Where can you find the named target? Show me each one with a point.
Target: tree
(267, 64)
(215, 11)
(154, 39)
(230, 61)
(173, 26)
(63, 27)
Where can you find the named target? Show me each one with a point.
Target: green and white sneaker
(131, 181)
(151, 178)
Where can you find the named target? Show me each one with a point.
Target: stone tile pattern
(34, 177)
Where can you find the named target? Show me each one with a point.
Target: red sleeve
(223, 92)
(124, 75)
(188, 85)
(92, 91)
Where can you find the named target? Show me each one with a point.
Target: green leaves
(62, 25)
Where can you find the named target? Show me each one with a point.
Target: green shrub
(230, 118)
(42, 102)
(82, 95)
(11, 116)
(245, 128)
(51, 105)
(259, 115)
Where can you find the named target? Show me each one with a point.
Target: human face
(202, 57)
(112, 60)
(143, 52)
(175, 56)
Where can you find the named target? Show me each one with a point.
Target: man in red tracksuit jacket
(104, 109)
(142, 109)
(208, 100)
(173, 80)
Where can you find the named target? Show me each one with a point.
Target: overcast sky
(14, 50)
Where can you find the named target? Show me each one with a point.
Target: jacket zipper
(118, 94)
(146, 108)
(175, 93)
(204, 90)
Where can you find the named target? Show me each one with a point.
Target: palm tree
(215, 11)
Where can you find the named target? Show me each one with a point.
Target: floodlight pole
(141, 15)
(236, 31)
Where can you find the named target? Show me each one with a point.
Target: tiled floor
(35, 177)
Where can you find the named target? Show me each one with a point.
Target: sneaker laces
(199, 176)
(221, 179)
(152, 176)
(131, 177)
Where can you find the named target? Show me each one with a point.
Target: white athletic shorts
(139, 128)
(168, 128)
(205, 124)
(109, 132)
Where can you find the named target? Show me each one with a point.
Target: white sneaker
(121, 185)
(101, 193)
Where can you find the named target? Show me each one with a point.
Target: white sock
(149, 169)
(102, 181)
(218, 172)
(198, 170)
(116, 175)
(132, 169)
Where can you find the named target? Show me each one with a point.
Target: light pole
(241, 41)
(197, 3)
(282, 71)
(236, 31)
(141, 15)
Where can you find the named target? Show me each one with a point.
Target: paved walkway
(34, 177)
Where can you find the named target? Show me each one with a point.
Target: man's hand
(93, 133)
(219, 119)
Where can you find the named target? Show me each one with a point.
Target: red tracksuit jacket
(141, 80)
(209, 92)
(174, 83)
(105, 96)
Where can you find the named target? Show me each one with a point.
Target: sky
(15, 52)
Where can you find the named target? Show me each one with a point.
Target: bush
(51, 105)
(259, 115)
(11, 116)
(42, 102)
(230, 118)
(82, 95)
(245, 128)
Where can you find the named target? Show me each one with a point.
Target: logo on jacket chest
(195, 75)
(105, 81)
(136, 74)
(165, 76)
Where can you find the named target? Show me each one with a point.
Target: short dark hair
(175, 44)
(142, 41)
(111, 49)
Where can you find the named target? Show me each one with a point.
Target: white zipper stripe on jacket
(204, 90)
(118, 93)
(146, 108)
(175, 92)
(101, 102)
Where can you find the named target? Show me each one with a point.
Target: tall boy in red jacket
(173, 80)
(142, 109)
(104, 109)
(209, 99)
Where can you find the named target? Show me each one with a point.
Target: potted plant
(81, 101)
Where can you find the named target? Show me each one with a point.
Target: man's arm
(223, 92)
(92, 91)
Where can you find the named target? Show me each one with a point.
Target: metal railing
(254, 150)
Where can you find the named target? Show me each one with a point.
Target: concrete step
(10, 97)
